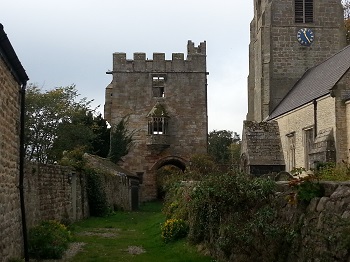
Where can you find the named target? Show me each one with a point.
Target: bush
(48, 240)
(332, 172)
(174, 229)
(96, 194)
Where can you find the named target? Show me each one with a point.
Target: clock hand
(306, 36)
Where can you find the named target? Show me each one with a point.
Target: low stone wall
(323, 225)
(52, 192)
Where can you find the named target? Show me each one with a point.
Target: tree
(219, 145)
(102, 133)
(121, 140)
(50, 117)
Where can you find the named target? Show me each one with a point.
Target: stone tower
(166, 101)
(276, 58)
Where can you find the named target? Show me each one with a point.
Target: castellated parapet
(195, 62)
(166, 102)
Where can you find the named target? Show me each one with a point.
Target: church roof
(315, 83)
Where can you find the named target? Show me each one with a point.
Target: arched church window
(304, 11)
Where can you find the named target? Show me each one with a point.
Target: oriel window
(158, 126)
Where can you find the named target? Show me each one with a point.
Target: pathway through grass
(131, 237)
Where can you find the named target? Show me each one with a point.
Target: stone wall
(297, 121)
(52, 192)
(323, 225)
(10, 215)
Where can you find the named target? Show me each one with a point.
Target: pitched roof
(9, 55)
(316, 82)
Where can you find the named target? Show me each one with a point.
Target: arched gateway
(166, 101)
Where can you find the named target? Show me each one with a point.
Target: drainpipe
(315, 117)
(21, 172)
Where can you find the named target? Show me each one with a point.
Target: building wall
(185, 100)
(302, 118)
(341, 91)
(10, 215)
(277, 60)
(348, 129)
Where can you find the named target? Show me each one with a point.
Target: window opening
(158, 126)
(140, 176)
(158, 83)
(308, 142)
(291, 151)
(304, 11)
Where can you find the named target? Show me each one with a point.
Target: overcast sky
(72, 41)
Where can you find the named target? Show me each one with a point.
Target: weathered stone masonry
(166, 101)
(12, 76)
(276, 59)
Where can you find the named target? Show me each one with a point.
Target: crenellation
(195, 62)
(119, 61)
(158, 62)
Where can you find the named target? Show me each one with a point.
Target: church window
(158, 84)
(158, 126)
(308, 142)
(291, 151)
(304, 11)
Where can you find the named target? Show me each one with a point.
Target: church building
(299, 81)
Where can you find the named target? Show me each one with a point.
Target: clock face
(305, 36)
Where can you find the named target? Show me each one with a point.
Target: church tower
(287, 37)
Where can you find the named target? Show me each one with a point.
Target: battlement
(195, 62)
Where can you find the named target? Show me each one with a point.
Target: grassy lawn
(131, 236)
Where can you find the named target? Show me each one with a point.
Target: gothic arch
(170, 160)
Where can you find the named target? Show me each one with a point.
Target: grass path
(130, 237)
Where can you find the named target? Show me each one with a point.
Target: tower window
(158, 83)
(304, 11)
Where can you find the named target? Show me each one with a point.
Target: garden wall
(322, 226)
(54, 192)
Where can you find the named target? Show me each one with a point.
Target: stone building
(298, 77)
(166, 102)
(12, 79)
(314, 116)
(277, 59)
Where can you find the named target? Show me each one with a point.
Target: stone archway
(170, 160)
(161, 176)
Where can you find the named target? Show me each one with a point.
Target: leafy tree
(101, 141)
(45, 111)
(121, 140)
(219, 146)
(56, 121)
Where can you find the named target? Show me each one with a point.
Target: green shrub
(309, 190)
(332, 172)
(96, 194)
(174, 229)
(48, 240)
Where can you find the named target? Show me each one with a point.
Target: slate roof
(9, 55)
(315, 83)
